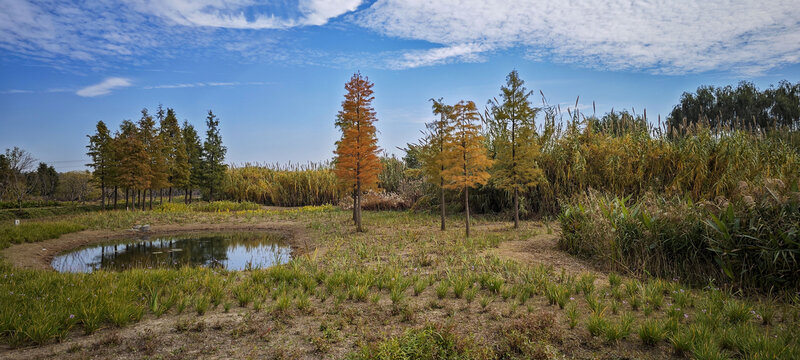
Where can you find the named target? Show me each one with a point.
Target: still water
(232, 251)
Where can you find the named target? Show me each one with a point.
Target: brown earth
(39, 255)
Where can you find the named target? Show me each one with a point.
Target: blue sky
(274, 71)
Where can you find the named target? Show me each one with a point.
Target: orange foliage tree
(465, 158)
(357, 163)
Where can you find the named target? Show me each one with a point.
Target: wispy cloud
(441, 55)
(104, 87)
(16, 91)
(655, 36)
(246, 14)
(202, 84)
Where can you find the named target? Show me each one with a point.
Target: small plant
(396, 295)
(651, 332)
(282, 302)
(375, 298)
(201, 303)
(596, 324)
(226, 306)
(586, 283)
(442, 289)
(359, 293)
(572, 315)
(459, 286)
(303, 301)
(614, 280)
(485, 301)
(681, 342)
(636, 302)
(243, 295)
(420, 286)
(618, 330)
(736, 311)
(470, 294)
(505, 293)
(767, 313)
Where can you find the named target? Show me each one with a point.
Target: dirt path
(39, 255)
(543, 249)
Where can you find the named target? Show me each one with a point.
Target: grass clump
(651, 332)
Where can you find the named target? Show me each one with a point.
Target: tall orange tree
(357, 162)
(465, 158)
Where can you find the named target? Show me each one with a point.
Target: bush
(749, 241)
(430, 342)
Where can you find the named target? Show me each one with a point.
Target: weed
(651, 332)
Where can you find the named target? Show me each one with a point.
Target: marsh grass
(354, 284)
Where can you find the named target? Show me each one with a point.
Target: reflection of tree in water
(176, 251)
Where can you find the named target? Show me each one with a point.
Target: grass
(36, 231)
(376, 287)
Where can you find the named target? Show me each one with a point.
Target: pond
(231, 251)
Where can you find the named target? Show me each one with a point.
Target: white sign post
(16, 222)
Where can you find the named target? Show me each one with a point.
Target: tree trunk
(115, 197)
(103, 194)
(169, 196)
(126, 199)
(211, 193)
(161, 196)
(358, 208)
(355, 204)
(151, 199)
(516, 209)
(441, 187)
(466, 204)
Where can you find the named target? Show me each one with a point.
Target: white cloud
(435, 56)
(202, 84)
(656, 36)
(104, 87)
(16, 91)
(246, 14)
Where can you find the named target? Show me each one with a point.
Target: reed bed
(283, 185)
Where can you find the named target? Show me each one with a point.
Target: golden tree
(465, 158)
(432, 151)
(357, 162)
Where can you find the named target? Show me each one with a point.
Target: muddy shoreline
(39, 255)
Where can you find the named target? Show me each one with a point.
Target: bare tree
(20, 162)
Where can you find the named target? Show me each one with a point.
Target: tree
(194, 158)
(19, 163)
(177, 163)
(432, 151)
(357, 163)
(515, 169)
(213, 156)
(133, 162)
(465, 158)
(46, 180)
(5, 173)
(75, 186)
(156, 175)
(742, 108)
(101, 152)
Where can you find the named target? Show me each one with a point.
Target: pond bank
(40, 255)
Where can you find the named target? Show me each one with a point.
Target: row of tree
(453, 152)
(744, 107)
(19, 180)
(156, 153)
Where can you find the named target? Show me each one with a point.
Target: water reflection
(232, 251)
